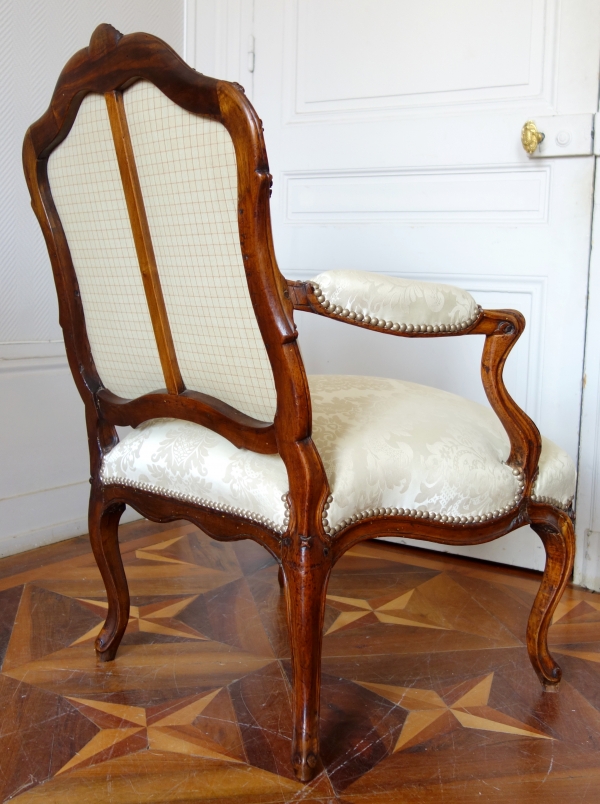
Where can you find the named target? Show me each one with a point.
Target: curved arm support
(502, 329)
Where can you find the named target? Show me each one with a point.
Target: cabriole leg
(281, 577)
(305, 588)
(104, 537)
(559, 543)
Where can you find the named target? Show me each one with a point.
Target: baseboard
(21, 542)
(587, 568)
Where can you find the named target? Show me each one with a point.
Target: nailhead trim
(418, 514)
(553, 501)
(380, 323)
(365, 514)
(215, 506)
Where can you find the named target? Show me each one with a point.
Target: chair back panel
(187, 170)
(86, 186)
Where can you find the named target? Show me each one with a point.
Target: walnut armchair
(151, 185)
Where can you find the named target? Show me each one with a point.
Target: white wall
(44, 467)
(587, 525)
(219, 41)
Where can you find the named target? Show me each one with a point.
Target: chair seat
(385, 444)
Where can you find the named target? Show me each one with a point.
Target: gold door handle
(531, 137)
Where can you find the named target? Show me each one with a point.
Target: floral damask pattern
(384, 443)
(400, 300)
(182, 458)
(557, 475)
(387, 443)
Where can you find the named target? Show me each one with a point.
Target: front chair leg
(104, 538)
(559, 543)
(306, 587)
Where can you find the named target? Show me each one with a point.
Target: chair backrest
(186, 170)
(151, 184)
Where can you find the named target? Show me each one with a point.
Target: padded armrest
(404, 305)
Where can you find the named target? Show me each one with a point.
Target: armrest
(400, 305)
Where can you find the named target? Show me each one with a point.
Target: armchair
(151, 185)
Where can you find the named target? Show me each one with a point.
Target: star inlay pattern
(582, 615)
(155, 618)
(393, 612)
(128, 729)
(430, 714)
(150, 553)
(427, 687)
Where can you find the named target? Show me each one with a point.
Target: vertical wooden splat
(143, 242)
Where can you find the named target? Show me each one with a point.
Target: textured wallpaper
(36, 39)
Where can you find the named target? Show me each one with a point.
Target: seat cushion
(385, 444)
(187, 461)
(395, 444)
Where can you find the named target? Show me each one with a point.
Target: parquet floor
(428, 695)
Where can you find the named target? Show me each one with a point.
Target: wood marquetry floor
(428, 695)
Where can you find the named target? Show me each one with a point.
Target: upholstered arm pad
(404, 305)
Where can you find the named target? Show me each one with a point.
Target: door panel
(498, 42)
(393, 132)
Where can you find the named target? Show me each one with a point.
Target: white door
(393, 133)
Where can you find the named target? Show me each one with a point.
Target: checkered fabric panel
(86, 187)
(187, 170)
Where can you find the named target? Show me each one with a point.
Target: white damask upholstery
(393, 444)
(188, 461)
(86, 187)
(398, 304)
(188, 175)
(385, 444)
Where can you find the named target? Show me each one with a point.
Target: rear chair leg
(104, 526)
(559, 543)
(305, 588)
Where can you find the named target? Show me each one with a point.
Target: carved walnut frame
(306, 553)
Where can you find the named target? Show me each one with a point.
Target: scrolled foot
(106, 656)
(559, 543)
(107, 646)
(546, 669)
(104, 525)
(305, 766)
